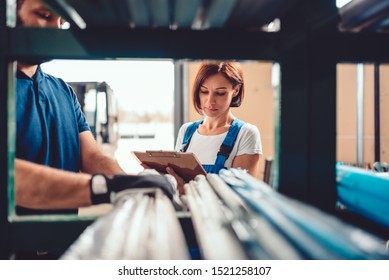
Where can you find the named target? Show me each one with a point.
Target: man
(51, 131)
(51, 128)
(55, 150)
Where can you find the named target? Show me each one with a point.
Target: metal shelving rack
(308, 47)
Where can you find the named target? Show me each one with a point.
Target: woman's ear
(236, 90)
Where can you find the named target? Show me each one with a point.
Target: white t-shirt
(206, 148)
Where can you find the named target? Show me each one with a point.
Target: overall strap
(189, 133)
(228, 143)
(212, 168)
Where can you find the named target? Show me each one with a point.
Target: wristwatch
(99, 189)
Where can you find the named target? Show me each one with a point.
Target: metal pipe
(169, 240)
(262, 240)
(142, 225)
(333, 237)
(216, 237)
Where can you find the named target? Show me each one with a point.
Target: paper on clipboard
(186, 165)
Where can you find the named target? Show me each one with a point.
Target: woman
(220, 140)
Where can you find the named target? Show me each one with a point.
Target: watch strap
(102, 197)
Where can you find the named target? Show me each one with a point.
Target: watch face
(99, 184)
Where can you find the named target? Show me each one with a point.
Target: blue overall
(225, 148)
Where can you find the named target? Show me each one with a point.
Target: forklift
(98, 103)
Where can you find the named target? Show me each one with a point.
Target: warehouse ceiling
(365, 15)
(356, 16)
(171, 14)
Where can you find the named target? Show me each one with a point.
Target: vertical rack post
(4, 224)
(377, 133)
(308, 101)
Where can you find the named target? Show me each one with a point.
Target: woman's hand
(180, 181)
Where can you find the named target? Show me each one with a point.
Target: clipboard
(186, 165)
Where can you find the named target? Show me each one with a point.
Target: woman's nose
(211, 98)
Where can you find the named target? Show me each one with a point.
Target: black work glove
(104, 189)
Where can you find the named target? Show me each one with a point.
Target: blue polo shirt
(49, 119)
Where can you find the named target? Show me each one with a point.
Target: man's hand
(107, 189)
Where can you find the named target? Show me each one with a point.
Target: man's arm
(42, 187)
(93, 159)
